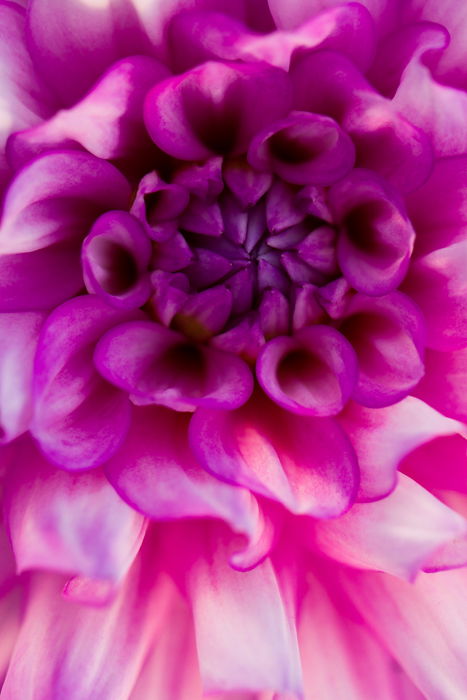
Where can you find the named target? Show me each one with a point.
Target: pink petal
(165, 368)
(420, 624)
(397, 534)
(56, 197)
(19, 335)
(382, 438)
(107, 122)
(69, 523)
(235, 613)
(443, 385)
(266, 449)
(79, 419)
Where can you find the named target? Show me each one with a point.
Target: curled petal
(207, 111)
(266, 449)
(56, 197)
(388, 335)
(313, 373)
(158, 365)
(115, 257)
(376, 237)
(304, 149)
(79, 419)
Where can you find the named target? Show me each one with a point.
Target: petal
(388, 335)
(313, 373)
(24, 100)
(158, 365)
(78, 651)
(108, 122)
(156, 473)
(266, 449)
(234, 613)
(398, 534)
(69, 523)
(443, 385)
(303, 149)
(418, 623)
(206, 111)
(79, 419)
(19, 335)
(56, 197)
(382, 438)
(26, 281)
(115, 257)
(340, 656)
(376, 236)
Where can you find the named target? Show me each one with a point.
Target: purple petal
(158, 365)
(79, 419)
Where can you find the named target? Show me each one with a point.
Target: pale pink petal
(421, 624)
(69, 523)
(382, 438)
(398, 534)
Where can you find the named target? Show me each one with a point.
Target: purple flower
(233, 349)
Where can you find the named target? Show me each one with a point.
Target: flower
(233, 349)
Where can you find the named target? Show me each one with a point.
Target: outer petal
(108, 122)
(70, 523)
(79, 419)
(419, 623)
(266, 449)
(235, 613)
(156, 473)
(383, 437)
(340, 656)
(397, 534)
(18, 343)
(23, 101)
(56, 197)
(80, 651)
(443, 385)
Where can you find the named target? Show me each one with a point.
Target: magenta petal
(108, 122)
(376, 237)
(156, 473)
(397, 534)
(312, 373)
(56, 197)
(388, 335)
(207, 111)
(158, 365)
(61, 522)
(79, 419)
(443, 385)
(303, 149)
(115, 257)
(266, 449)
(384, 437)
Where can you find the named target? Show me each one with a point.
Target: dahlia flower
(233, 349)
